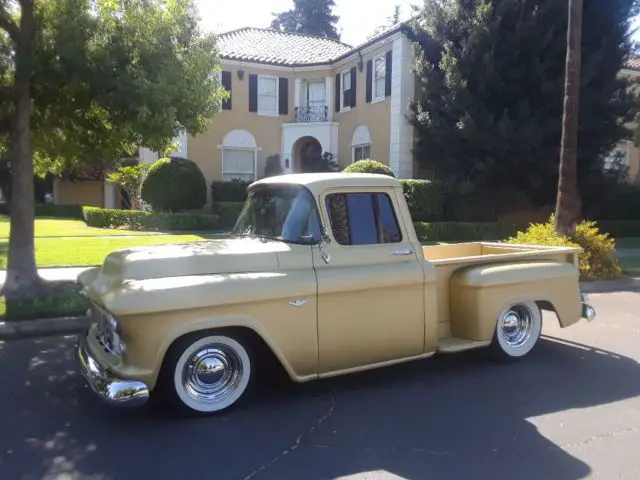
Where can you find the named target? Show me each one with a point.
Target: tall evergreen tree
(489, 108)
(311, 17)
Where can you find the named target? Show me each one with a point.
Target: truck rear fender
(478, 294)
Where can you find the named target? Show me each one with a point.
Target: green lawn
(67, 304)
(66, 227)
(87, 251)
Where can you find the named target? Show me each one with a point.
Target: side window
(363, 218)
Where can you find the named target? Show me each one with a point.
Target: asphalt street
(571, 410)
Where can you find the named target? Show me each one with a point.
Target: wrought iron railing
(312, 113)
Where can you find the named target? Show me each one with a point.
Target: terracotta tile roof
(274, 47)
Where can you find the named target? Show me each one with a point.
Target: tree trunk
(22, 274)
(568, 204)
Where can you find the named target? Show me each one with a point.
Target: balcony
(311, 113)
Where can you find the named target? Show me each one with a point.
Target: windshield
(280, 212)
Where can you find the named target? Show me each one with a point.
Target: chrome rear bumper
(112, 390)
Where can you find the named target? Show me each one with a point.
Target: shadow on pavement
(448, 417)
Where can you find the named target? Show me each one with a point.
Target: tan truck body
(322, 308)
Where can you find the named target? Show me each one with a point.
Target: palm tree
(568, 203)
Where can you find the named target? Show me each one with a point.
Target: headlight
(108, 332)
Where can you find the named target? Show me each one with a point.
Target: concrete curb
(14, 330)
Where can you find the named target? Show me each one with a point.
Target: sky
(358, 18)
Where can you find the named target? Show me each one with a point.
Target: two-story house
(293, 93)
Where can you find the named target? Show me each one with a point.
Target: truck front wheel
(207, 373)
(517, 331)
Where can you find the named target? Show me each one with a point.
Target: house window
(362, 152)
(379, 74)
(267, 95)
(346, 90)
(363, 218)
(238, 164)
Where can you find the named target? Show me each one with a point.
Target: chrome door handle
(402, 251)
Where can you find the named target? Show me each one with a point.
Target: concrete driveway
(571, 410)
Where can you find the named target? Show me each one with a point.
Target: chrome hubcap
(516, 325)
(212, 374)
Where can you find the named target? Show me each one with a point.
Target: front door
(371, 292)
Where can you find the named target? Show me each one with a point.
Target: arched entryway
(307, 152)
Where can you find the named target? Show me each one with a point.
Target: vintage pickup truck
(324, 274)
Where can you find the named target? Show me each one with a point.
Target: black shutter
(369, 78)
(338, 93)
(387, 76)
(226, 84)
(283, 96)
(253, 92)
(353, 87)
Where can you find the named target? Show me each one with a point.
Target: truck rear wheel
(207, 373)
(517, 331)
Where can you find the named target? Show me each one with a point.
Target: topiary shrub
(369, 166)
(174, 184)
(424, 199)
(233, 191)
(598, 261)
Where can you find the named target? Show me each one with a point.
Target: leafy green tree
(311, 17)
(88, 82)
(129, 178)
(489, 108)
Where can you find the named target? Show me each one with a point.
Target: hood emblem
(298, 303)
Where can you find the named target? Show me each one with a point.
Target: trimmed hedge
(141, 220)
(465, 231)
(51, 210)
(620, 229)
(227, 212)
(424, 199)
(491, 231)
(234, 191)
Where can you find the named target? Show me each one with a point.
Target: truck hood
(237, 255)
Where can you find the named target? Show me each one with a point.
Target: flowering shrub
(598, 261)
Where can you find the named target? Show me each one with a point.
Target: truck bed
(482, 252)
(449, 258)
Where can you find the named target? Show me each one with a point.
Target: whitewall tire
(208, 373)
(517, 331)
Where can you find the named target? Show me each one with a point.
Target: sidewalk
(53, 273)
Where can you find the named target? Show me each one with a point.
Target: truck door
(370, 283)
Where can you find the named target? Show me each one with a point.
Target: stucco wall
(204, 149)
(86, 193)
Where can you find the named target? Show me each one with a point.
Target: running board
(454, 345)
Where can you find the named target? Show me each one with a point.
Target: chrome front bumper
(588, 311)
(112, 390)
